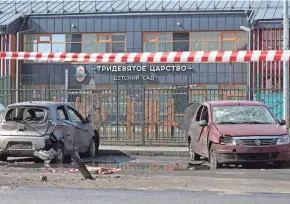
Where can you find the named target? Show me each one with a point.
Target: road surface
(144, 180)
(36, 195)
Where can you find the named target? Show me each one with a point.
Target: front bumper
(21, 146)
(242, 154)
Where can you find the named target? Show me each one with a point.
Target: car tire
(59, 158)
(97, 141)
(91, 149)
(214, 164)
(193, 156)
(3, 157)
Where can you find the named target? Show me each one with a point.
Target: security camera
(178, 23)
(73, 26)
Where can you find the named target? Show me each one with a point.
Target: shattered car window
(242, 115)
(26, 114)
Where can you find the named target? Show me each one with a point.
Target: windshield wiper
(228, 122)
(255, 122)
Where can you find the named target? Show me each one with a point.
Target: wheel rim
(93, 149)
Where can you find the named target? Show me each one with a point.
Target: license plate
(20, 146)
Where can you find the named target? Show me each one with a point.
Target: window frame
(65, 113)
(76, 113)
(82, 42)
(204, 41)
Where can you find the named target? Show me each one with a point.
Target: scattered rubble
(44, 178)
(46, 156)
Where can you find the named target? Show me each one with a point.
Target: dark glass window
(180, 36)
(73, 38)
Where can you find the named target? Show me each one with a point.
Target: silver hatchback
(29, 127)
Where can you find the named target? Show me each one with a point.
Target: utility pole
(286, 63)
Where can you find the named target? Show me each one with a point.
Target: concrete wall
(134, 26)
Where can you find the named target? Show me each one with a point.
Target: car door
(195, 130)
(66, 127)
(204, 131)
(81, 130)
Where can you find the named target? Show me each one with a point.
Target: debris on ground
(81, 166)
(91, 169)
(46, 156)
(44, 178)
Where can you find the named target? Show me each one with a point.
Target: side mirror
(282, 122)
(88, 119)
(202, 123)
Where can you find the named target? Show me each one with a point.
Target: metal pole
(66, 85)
(17, 68)
(249, 66)
(17, 61)
(285, 64)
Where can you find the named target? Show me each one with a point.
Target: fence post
(84, 108)
(172, 117)
(146, 118)
(77, 103)
(104, 118)
(129, 116)
(144, 110)
(151, 116)
(157, 119)
(133, 117)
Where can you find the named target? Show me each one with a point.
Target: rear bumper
(241, 154)
(28, 145)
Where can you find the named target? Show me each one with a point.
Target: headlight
(283, 140)
(226, 140)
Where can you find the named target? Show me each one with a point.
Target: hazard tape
(159, 57)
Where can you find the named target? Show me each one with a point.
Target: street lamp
(249, 31)
(17, 61)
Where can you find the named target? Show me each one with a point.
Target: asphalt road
(144, 179)
(36, 195)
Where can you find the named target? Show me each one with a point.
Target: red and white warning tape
(158, 57)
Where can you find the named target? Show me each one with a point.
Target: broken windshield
(242, 115)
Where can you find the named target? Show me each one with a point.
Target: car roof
(235, 103)
(48, 104)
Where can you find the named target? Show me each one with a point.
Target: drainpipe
(249, 30)
(17, 61)
(1, 48)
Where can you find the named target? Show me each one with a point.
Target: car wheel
(59, 158)
(97, 141)
(214, 164)
(3, 157)
(193, 156)
(92, 149)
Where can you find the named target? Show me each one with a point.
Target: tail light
(51, 125)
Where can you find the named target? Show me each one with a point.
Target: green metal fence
(140, 116)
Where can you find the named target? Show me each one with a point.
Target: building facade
(143, 26)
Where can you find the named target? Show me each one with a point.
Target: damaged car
(35, 128)
(237, 132)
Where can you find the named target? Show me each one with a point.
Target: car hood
(251, 129)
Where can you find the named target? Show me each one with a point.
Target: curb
(112, 151)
